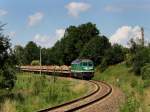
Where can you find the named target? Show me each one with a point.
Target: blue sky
(44, 21)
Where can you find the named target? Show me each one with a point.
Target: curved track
(101, 91)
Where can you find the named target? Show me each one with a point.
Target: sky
(45, 21)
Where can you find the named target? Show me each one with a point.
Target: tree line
(83, 41)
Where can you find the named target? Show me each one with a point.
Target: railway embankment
(136, 91)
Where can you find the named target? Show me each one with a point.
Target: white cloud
(49, 41)
(12, 34)
(41, 38)
(35, 18)
(124, 34)
(75, 8)
(3, 12)
(60, 33)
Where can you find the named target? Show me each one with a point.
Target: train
(80, 68)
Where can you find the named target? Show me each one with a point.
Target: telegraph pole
(142, 35)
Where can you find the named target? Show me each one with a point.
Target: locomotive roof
(77, 61)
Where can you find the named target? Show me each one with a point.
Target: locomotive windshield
(90, 64)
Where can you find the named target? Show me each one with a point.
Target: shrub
(145, 71)
(131, 105)
(129, 59)
(146, 83)
(140, 58)
(7, 62)
(35, 62)
(134, 83)
(103, 66)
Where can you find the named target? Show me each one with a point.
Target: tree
(71, 45)
(145, 72)
(44, 54)
(31, 52)
(139, 56)
(114, 55)
(19, 54)
(7, 72)
(95, 49)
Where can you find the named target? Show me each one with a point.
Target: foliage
(19, 54)
(131, 105)
(115, 54)
(146, 83)
(138, 56)
(45, 53)
(141, 57)
(71, 45)
(7, 61)
(64, 51)
(128, 59)
(35, 62)
(146, 72)
(95, 49)
(31, 52)
(103, 66)
(4, 48)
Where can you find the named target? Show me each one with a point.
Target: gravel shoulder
(111, 103)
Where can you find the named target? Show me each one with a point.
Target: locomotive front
(82, 68)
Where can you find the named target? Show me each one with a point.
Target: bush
(131, 105)
(145, 71)
(140, 58)
(129, 59)
(7, 62)
(146, 83)
(134, 83)
(115, 54)
(103, 66)
(35, 62)
(7, 77)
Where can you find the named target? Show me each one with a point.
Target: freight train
(80, 68)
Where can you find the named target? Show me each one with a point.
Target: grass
(33, 92)
(137, 94)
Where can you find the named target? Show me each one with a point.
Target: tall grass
(8, 106)
(133, 86)
(33, 92)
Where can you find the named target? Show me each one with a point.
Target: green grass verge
(33, 92)
(134, 88)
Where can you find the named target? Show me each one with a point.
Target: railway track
(101, 91)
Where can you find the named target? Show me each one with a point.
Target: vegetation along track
(102, 90)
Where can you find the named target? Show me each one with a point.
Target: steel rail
(73, 101)
(82, 98)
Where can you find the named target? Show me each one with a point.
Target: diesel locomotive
(82, 68)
